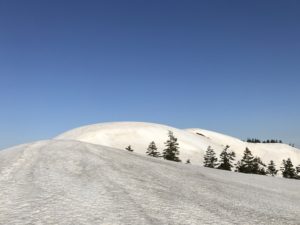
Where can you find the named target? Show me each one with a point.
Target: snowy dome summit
(139, 135)
(192, 142)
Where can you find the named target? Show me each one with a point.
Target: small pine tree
(210, 159)
(226, 158)
(128, 148)
(171, 151)
(188, 161)
(152, 150)
(245, 165)
(258, 167)
(288, 170)
(251, 164)
(298, 169)
(272, 169)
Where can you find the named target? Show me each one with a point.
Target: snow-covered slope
(193, 142)
(139, 135)
(71, 182)
(276, 152)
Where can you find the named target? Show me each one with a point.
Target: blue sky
(229, 66)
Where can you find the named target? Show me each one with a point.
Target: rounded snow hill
(70, 182)
(192, 142)
(139, 135)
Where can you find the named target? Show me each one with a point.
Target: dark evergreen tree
(245, 165)
(226, 158)
(210, 159)
(298, 170)
(171, 152)
(258, 167)
(272, 169)
(188, 161)
(128, 148)
(288, 170)
(152, 150)
(251, 164)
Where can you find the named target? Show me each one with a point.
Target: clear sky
(229, 66)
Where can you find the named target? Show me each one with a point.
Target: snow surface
(192, 144)
(71, 182)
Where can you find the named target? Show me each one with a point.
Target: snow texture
(72, 182)
(192, 142)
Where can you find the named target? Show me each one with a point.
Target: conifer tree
(245, 165)
(128, 148)
(171, 152)
(298, 170)
(226, 158)
(258, 166)
(288, 170)
(210, 159)
(272, 169)
(188, 161)
(251, 164)
(152, 150)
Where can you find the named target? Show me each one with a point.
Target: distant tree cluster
(255, 140)
(272, 141)
(248, 164)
